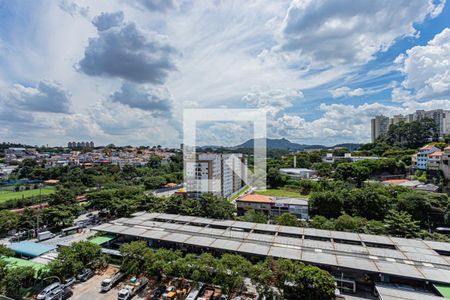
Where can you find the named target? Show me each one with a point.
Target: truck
(109, 283)
(44, 235)
(132, 288)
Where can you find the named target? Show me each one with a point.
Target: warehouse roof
(31, 249)
(423, 260)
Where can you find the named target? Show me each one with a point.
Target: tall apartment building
(380, 126)
(211, 172)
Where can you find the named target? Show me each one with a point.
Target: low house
(273, 206)
(298, 173)
(258, 203)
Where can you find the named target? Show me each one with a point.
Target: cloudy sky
(123, 71)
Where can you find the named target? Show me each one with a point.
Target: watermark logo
(223, 174)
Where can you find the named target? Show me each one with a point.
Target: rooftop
(31, 249)
(256, 198)
(412, 258)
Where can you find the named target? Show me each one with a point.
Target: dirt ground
(91, 289)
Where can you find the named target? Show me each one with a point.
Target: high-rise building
(220, 174)
(380, 126)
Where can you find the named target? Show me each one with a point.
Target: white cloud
(427, 68)
(156, 100)
(347, 92)
(272, 101)
(123, 50)
(47, 96)
(332, 32)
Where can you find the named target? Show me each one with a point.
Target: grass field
(240, 193)
(280, 193)
(10, 195)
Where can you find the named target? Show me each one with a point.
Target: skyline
(122, 72)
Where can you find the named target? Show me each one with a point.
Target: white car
(49, 290)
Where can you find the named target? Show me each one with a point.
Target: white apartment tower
(380, 124)
(211, 172)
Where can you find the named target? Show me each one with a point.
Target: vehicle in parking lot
(109, 283)
(132, 288)
(61, 294)
(69, 281)
(85, 274)
(157, 294)
(49, 290)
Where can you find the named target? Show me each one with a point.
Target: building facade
(220, 174)
(380, 124)
(422, 157)
(273, 206)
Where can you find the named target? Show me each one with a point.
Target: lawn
(10, 195)
(280, 193)
(245, 189)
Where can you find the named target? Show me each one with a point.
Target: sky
(123, 71)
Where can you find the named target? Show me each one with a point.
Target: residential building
(298, 173)
(445, 165)
(80, 144)
(220, 174)
(258, 203)
(435, 160)
(273, 206)
(380, 126)
(330, 158)
(421, 159)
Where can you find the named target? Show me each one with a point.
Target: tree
(311, 283)
(154, 162)
(287, 219)
(352, 172)
(133, 255)
(262, 276)
(375, 227)
(369, 202)
(71, 260)
(416, 204)
(320, 222)
(215, 207)
(275, 178)
(231, 270)
(401, 224)
(8, 221)
(254, 217)
(328, 204)
(349, 223)
(154, 182)
(15, 280)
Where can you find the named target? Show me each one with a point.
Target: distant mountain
(288, 145)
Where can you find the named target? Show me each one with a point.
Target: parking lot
(91, 288)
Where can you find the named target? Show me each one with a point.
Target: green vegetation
(71, 260)
(293, 279)
(12, 195)
(241, 192)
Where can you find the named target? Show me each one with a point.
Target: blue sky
(123, 71)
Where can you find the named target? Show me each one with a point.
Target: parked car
(49, 290)
(157, 294)
(70, 281)
(85, 274)
(61, 294)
